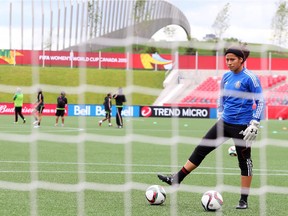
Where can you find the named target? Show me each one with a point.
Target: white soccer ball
(212, 200)
(155, 195)
(232, 151)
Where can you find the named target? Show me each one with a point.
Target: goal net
(89, 49)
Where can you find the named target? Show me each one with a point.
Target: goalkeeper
(240, 88)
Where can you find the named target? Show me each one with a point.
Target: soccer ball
(155, 195)
(212, 200)
(232, 151)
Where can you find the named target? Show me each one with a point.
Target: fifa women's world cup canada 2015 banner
(120, 60)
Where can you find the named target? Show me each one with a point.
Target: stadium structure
(88, 25)
(130, 19)
(91, 25)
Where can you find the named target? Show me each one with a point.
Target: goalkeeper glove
(251, 131)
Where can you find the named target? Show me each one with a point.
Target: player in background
(108, 109)
(240, 89)
(60, 110)
(39, 107)
(119, 100)
(18, 103)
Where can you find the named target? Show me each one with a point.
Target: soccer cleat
(100, 123)
(110, 125)
(24, 121)
(242, 205)
(56, 125)
(36, 126)
(35, 122)
(62, 125)
(170, 180)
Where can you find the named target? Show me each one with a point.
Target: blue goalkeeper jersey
(238, 94)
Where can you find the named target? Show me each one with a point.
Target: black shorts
(108, 113)
(18, 109)
(40, 108)
(60, 113)
(218, 134)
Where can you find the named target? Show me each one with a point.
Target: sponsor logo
(195, 112)
(181, 112)
(237, 84)
(167, 112)
(9, 56)
(5, 109)
(127, 111)
(146, 111)
(82, 110)
(9, 109)
(27, 109)
(149, 60)
(100, 111)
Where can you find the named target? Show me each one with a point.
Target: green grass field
(117, 165)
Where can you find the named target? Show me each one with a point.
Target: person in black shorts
(60, 110)
(108, 109)
(119, 100)
(39, 107)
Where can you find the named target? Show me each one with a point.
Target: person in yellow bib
(18, 103)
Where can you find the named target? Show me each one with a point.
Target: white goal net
(91, 48)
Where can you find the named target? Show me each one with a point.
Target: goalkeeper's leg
(207, 144)
(246, 165)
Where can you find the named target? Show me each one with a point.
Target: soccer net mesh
(84, 169)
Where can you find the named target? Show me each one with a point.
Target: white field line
(135, 185)
(132, 185)
(136, 173)
(262, 171)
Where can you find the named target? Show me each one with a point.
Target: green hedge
(20, 76)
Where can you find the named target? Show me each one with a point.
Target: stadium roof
(132, 21)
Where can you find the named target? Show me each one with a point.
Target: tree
(47, 44)
(190, 51)
(151, 50)
(231, 39)
(221, 23)
(280, 24)
(94, 18)
(169, 31)
(141, 14)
